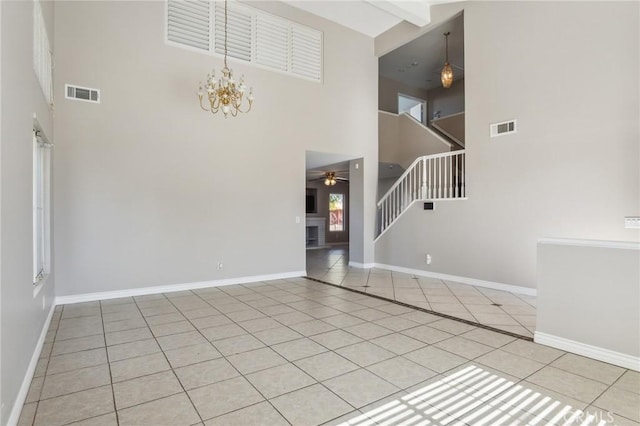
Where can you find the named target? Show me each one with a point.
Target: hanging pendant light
(225, 94)
(446, 76)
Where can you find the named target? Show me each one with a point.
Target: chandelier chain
(225, 33)
(225, 94)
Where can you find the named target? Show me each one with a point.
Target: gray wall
(447, 101)
(608, 315)
(571, 170)
(152, 191)
(322, 200)
(22, 316)
(388, 90)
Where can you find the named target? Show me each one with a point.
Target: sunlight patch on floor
(473, 396)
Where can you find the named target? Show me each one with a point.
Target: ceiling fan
(330, 178)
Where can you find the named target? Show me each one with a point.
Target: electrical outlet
(632, 222)
(220, 265)
(427, 259)
(297, 219)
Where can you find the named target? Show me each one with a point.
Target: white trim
(90, 297)
(361, 265)
(14, 416)
(595, 352)
(458, 141)
(625, 245)
(447, 116)
(464, 280)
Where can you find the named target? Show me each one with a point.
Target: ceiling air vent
(82, 94)
(504, 128)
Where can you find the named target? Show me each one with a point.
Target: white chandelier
(225, 94)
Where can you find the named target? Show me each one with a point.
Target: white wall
(152, 191)
(571, 171)
(22, 316)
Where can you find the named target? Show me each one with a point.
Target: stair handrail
(408, 170)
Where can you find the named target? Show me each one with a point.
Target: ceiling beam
(416, 12)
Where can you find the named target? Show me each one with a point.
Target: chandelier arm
(247, 110)
(202, 106)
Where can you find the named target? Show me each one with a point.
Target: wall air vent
(82, 93)
(504, 128)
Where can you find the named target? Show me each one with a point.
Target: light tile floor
(304, 353)
(511, 312)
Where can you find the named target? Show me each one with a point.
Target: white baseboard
(361, 265)
(464, 280)
(595, 352)
(90, 297)
(31, 369)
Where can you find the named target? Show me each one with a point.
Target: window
(336, 212)
(415, 107)
(41, 208)
(42, 61)
(254, 36)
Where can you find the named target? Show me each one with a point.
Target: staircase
(432, 177)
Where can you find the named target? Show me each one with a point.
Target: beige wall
(151, 190)
(452, 126)
(22, 314)
(388, 90)
(416, 140)
(388, 138)
(571, 170)
(401, 140)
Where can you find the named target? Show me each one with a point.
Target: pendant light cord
(225, 33)
(446, 41)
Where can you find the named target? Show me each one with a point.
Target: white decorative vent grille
(253, 36)
(82, 93)
(272, 40)
(189, 23)
(42, 59)
(504, 128)
(239, 31)
(306, 52)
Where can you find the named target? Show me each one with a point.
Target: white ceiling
(419, 62)
(369, 17)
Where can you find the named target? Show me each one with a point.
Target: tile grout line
(231, 364)
(440, 314)
(341, 328)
